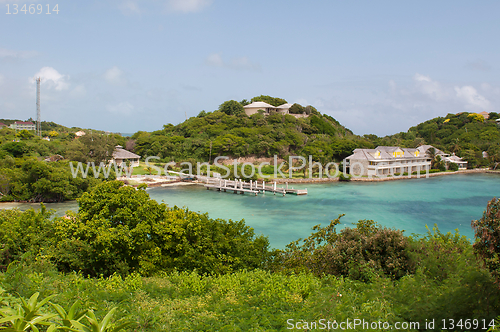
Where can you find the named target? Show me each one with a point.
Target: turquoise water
(451, 202)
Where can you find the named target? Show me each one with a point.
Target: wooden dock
(252, 187)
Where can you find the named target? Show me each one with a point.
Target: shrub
(487, 234)
(120, 229)
(360, 253)
(345, 178)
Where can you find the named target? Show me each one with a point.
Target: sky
(378, 67)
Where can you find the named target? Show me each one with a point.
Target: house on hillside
(120, 155)
(284, 109)
(23, 125)
(386, 160)
(485, 115)
(257, 106)
(2, 125)
(266, 109)
(80, 133)
(444, 156)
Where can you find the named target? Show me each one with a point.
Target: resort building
(462, 164)
(266, 109)
(22, 125)
(446, 157)
(386, 160)
(120, 155)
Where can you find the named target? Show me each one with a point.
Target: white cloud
(430, 88)
(215, 60)
(115, 76)
(52, 79)
(16, 55)
(188, 6)
(244, 63)
(473, 100)
(129, 7)
(123, 108)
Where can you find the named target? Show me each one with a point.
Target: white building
(23, 125)
(446, 157)
(257, 106)
(387, 160)
(266, 109)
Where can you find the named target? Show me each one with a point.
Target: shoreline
(160, 181)
(392, 178)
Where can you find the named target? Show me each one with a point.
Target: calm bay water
(451, 202)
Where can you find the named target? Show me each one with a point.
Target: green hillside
(230, 132)
(465, 134)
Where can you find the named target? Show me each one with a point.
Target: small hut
(120, 155)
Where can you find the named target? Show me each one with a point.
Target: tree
(92, 148)
(25, 134)
(487, 234)
(296, 109)
(493, 116)
(53, 133)
(476, 117)
(270, 100)
(453, 167)
(16, 149)
(232, 107)
(343, 148)
(121, 229)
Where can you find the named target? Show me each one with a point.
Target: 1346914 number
(467, 324)
(31, 9)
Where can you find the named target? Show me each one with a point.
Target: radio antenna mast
(38, 116)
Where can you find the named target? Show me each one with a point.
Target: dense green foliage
(358, 253)
(28, 179)
(487, 232)
(448, 283)
(217, 133)
(120, 229)
(270, 100)
(232, 107)
(25, 176)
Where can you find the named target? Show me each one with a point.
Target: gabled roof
(285, 106)
(424, 148)
(2, 124)
(386, 153)
(360, 154)
(388, 148)
(259, 104)
(121, 153)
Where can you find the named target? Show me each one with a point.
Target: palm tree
(431, 152)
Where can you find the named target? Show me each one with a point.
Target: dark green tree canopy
(296, 109)
(232, 107)
(270, 100)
